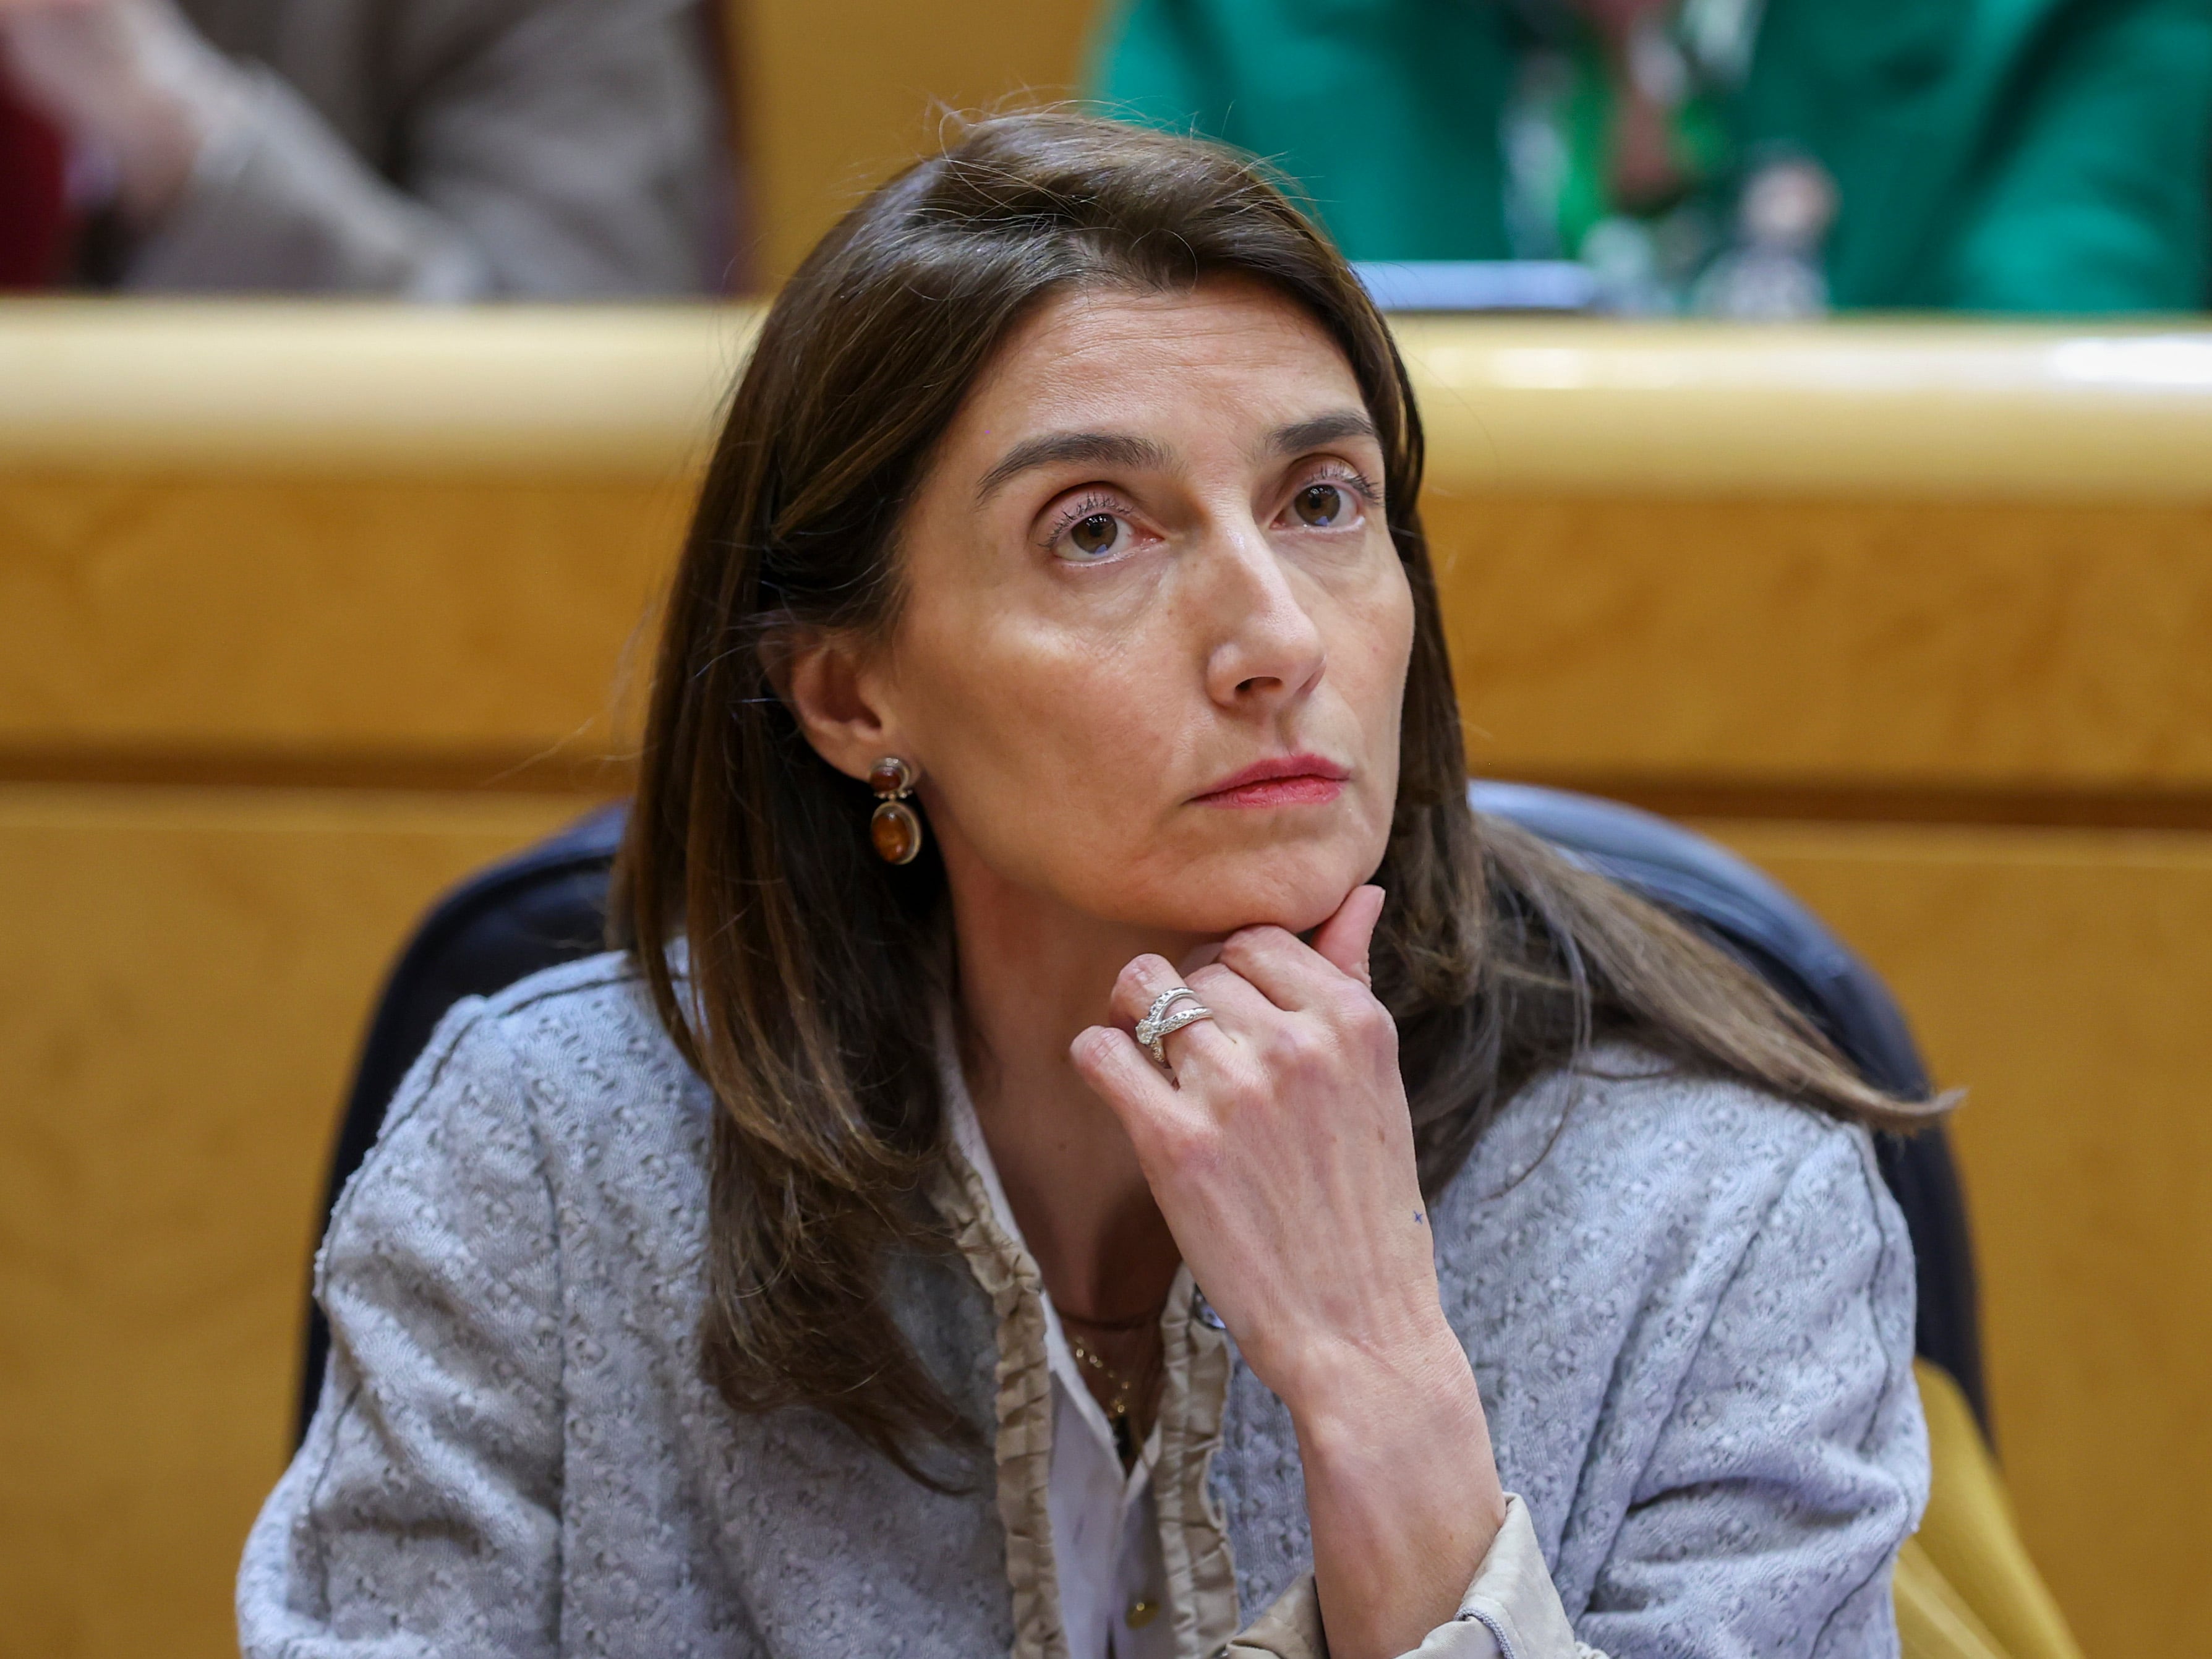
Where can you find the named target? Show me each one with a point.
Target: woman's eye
(1095, 535)
(1320, 506)
(1090, 530)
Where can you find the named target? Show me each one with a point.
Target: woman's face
(1154, 638)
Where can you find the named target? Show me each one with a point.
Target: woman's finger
(1208, 952)
(1302, 978)
(1345, 937)
(1140, 986)
(1237, 1004)
(1138, 983)
(1223, 989)
(1123, 1076)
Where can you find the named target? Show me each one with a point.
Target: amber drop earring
(894, 826)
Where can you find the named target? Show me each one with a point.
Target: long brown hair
(814, 968)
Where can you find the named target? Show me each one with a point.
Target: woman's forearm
(1281, 1154)
(1402, 1491)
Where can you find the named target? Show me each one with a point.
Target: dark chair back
(547, 905)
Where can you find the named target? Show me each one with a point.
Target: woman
(1055, 664)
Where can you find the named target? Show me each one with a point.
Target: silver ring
(1158, 1023)
(1165, 1001)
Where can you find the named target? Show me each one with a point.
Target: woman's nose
(1266, 644)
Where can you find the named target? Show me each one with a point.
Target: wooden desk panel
(1951, 647)
(482, 622)
(179, 1005)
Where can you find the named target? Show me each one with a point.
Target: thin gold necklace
(1122, 1392)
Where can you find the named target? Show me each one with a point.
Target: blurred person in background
(1738, 157)
(430, 150)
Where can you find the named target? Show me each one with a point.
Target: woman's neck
(1031, 975)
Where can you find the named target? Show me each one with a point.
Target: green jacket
(2049, 156)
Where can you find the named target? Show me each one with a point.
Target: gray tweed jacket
(1689, 1308)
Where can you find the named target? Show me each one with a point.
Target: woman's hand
(1280, 1151)
(1281, 1154)
(131, 80)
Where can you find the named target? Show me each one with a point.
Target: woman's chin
(1283, 890)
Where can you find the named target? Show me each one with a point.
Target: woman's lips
(1293, 781)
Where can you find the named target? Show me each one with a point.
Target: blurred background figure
(432, 149)
(1740, 157)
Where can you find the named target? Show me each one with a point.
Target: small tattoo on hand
(1419, 1220)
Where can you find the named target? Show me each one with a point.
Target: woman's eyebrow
(1059, 448)
(1321, 431)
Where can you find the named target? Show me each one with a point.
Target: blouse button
(1141, 1613)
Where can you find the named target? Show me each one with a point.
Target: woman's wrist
(1350, 1400)
(1402, 1493)
(1319, 1364)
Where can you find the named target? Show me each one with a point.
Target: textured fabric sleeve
(1511, 1611)
(422, 1514)
(572, 155)
(1795, 1462)
(2094, 190)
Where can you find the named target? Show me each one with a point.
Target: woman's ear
(823, 680)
